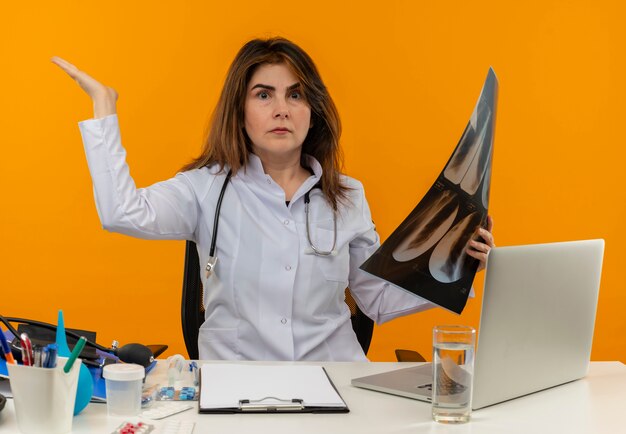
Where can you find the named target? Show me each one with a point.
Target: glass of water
(453, 372)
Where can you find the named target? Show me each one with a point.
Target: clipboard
(250, 388)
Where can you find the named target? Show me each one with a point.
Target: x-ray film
(426, 255)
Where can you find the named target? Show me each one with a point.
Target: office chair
(192, 307)
(409, 356)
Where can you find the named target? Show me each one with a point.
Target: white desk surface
(595, 404)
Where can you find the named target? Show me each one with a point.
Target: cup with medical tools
(123, 382)
(453, 373)
(44, 397)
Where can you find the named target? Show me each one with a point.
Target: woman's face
(277, 117)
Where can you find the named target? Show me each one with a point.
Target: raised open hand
(104, 98)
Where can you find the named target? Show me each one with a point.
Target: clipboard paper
(249, 388)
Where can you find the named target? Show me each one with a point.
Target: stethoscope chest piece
(210, 266)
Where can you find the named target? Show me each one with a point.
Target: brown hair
(227, 142)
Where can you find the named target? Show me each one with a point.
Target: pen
(6, 349)
(49, 357)
(27, 350)
(37, 353)
(78, 348)
(45, 357)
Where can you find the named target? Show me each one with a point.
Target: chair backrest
(192, 307)
(362, 324)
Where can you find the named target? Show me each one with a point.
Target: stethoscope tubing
(316, 250)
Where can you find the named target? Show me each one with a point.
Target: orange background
(405, 76)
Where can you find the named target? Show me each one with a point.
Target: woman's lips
(279, 131)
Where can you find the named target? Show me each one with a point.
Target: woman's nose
(281, 111)
(281, 114)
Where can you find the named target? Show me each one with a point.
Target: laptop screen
(537, 319)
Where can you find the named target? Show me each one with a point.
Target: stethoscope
(314, 249)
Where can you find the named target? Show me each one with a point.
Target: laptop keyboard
(446, 385)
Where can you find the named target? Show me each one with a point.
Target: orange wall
(405, 76)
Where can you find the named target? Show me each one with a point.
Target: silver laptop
(536, 324)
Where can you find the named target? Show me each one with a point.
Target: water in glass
(453, 367)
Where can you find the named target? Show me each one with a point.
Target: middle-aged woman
(277, 290)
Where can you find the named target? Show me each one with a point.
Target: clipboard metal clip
(271, 404)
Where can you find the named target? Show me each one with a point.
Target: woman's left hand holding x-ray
(104, 98)
(480, 250)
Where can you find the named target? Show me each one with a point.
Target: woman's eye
(263, 95)
(296, 95)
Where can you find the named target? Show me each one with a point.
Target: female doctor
(293, 230)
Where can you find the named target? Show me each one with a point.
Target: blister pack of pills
(133, 428)
(170, 393)
(165, 409)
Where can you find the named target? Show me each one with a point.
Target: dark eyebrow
(263, 86)
(268, 87)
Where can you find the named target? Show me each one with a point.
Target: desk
(594, 404)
